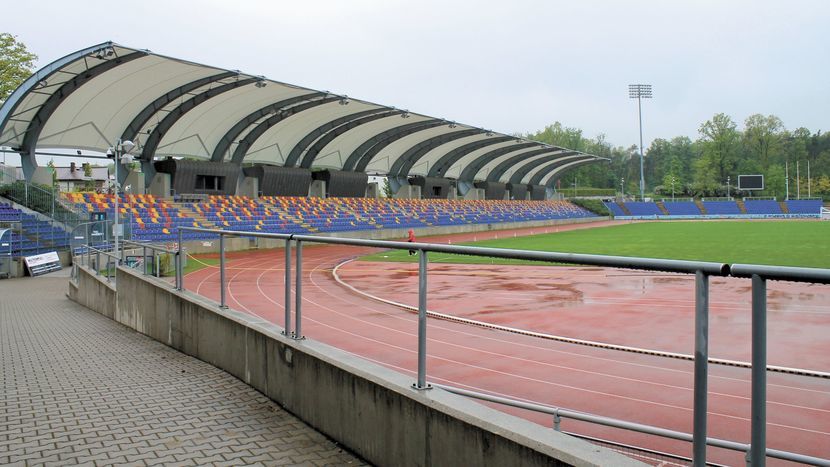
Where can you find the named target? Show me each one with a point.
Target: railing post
(298, 293)
(144, 260)
(157, 263)
(422, 322)
(179, 267)
(758, 438)
(701, 390)
(557, 421)
(287, 322)
(97, 263)
(222, 303)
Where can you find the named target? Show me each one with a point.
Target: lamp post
(728, 180)
(622, 186)
(672, 187)
(120, 154)
(640, 92)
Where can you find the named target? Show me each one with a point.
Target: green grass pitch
(782, 243)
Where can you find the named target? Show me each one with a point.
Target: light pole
(797, 182)
(728, 180)
(120, 154)
(640, 92)
(622, 186)
(672, 187)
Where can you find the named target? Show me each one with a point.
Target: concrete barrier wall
(369, 409)
(93, 292)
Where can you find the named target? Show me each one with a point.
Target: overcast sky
(511, 66)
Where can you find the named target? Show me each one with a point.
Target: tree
(672, 184)
(51, 165)
(89, 185)
(775, 183)
(720, 143)
(559, 135)
(16, 64)
(763, 138)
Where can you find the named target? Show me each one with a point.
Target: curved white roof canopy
(172, 107)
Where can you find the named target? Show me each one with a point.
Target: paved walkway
(78, 388)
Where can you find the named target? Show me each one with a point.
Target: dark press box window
(210, 182)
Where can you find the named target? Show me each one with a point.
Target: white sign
(45, 258)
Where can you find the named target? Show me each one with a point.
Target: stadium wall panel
(537, 192)
(432, 187)
(280, 181)
(492, 190)
(341, 184)
(186, 174)
(517, 191)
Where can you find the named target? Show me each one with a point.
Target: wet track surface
(652, 310)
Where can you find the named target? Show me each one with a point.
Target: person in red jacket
(411, 239)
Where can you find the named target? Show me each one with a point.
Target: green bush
(593, 205)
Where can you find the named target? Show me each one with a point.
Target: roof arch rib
(562, 158)
(321, 143)
(360, 157)
(259, 130)
(313, 135)
(554, 168)
(447, 160)
(9, 108)
(229, 138)
(141, 119)
(27, 149)
(180, 108)
(153, 141)
(505, 165)
(469, 172)
(404, 163)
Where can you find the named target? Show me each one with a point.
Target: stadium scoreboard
(750, 182)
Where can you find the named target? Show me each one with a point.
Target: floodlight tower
(640, 92)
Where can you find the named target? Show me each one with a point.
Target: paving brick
(80, 389)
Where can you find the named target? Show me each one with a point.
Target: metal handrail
(98, 252)
(130, 244)
(624, 262)
(701, 270)
(559, 412)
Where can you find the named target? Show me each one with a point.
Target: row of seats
(28, 235)
(147, 218)
(154, 219)
(343, 214)
(717, 208)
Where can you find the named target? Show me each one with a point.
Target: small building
(74, 178)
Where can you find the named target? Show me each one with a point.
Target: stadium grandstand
(715, 209)
(199, 146)
(157, 220)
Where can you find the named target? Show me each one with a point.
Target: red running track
(620, 307)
